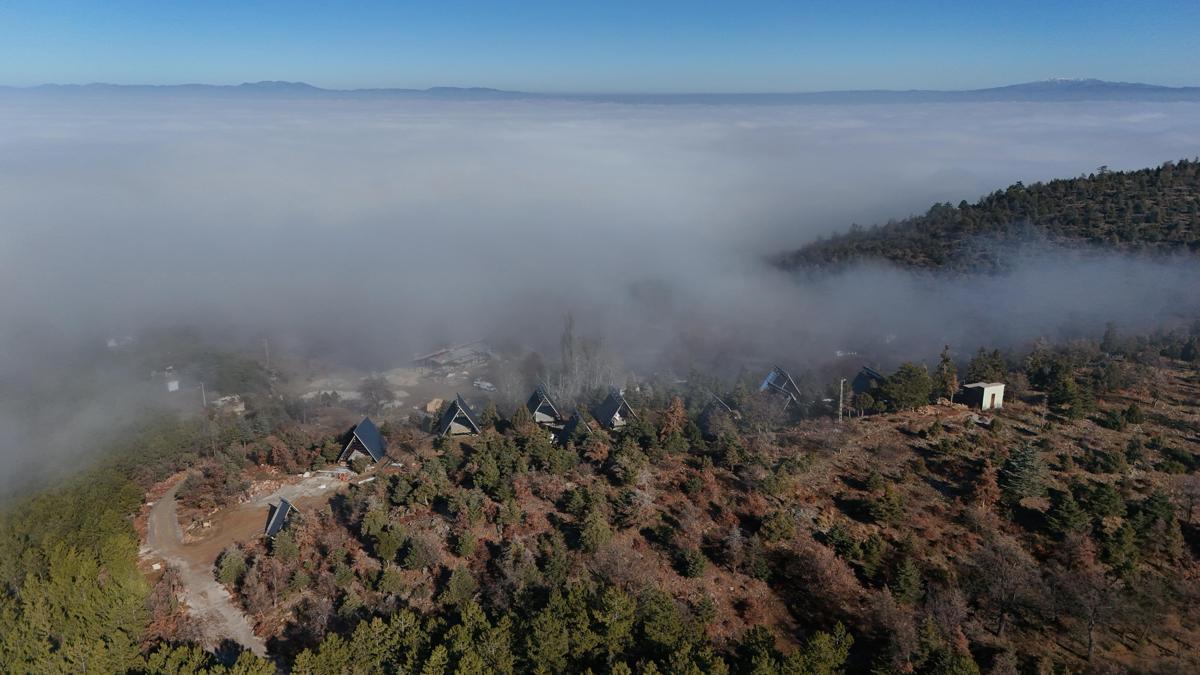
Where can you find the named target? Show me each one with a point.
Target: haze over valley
(656, 338)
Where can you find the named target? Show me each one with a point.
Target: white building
(984, 395)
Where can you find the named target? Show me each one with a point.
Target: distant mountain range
(1058, 90)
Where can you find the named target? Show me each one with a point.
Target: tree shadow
(853, 482)
(854, 507)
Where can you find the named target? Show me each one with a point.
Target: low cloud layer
(370, 230)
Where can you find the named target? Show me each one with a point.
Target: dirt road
(205, 597)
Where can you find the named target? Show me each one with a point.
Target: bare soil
(196, 557)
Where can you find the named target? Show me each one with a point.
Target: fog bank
(367, 231)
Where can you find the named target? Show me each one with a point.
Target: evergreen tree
(945, 378)
(460, 589)
(595, 531)
(822, 654)
(907, 585)
(464, 543)
(777, 527)
(615, 614)
(909, 387)
(1023, 474)
(284, 547)
(489, 416)
(987, 367)
(1065, 515)
(547, 642)
(437, 663)
(231, 567)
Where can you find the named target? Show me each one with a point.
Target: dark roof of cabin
(780, 380)
(540, 397)
(277, 519)
(720, 402)
(458, 407)
(368, 434)
(872, 373)
(866, 379)
(611, 406)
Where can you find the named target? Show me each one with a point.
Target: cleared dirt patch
(205, 597)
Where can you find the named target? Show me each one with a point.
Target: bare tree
(1091, 594)
(1186, 489)
(585, 366)
(1006, 578)
(375, 392)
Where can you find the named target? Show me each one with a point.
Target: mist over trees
(722, 528)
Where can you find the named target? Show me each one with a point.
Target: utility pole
(841, 395)
(212, 441)
(267, 351)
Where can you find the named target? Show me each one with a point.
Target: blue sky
(652, 45)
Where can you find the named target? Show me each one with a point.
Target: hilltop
(1058, 533)
(1147, 211)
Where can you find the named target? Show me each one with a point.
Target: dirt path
(205, 597)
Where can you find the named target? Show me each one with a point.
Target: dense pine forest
(1149, 210)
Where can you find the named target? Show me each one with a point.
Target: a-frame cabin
(366, 441)
(277, 517)
(575, 425)
(542, 407)
(867, 380)
(780, 381)
(458, 420)
(615, 412)
(716, 407)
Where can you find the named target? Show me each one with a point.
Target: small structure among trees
(365, 441)
(984, 395)
(717, 417)
(542, 407)
(780, 381)
(278, 517)
(614, 412)
(867, 380)
(458, 419)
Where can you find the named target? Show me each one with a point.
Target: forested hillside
(1059, 535)
(72, 597)
(1150, 210)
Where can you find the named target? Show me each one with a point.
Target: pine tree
(777, 527)
(615, 614)
(284, 546)
(822, 654)
(1065, 515)
(547, 642)
(907, 585)
(464, 543)
(522, 420)
(1023, 474)
(945, 378)
(595, 532)
(460, 589)
(987, 367)
(231, 567)
(489, 416)
(909, 387)
(387, 543)
(436, 664)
